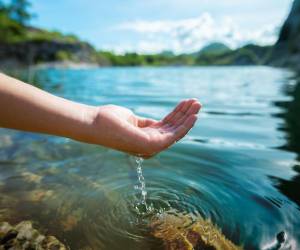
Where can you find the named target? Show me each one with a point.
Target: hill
(287, 48)
(21, 44)
(215, 47)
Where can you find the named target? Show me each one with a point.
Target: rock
(37, 195)
(286, 51)
(70, 222)
(290, 31)
(24, 236)
(31, 177)
(4, 228)
(25, 230)
(281, 237)
(10, 235)
(5, 141)
(182, 232)
(278, 243)
(32, 52)
(51, 243)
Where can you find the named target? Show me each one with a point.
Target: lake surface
(239, 166)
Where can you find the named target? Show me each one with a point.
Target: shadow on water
(291, 126)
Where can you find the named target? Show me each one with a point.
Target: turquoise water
(238, 167)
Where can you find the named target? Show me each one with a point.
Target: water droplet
(142, 183)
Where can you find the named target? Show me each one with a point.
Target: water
(239, 166)
(142, 182)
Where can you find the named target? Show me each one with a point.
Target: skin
(25, 107)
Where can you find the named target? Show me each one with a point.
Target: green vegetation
(215, 47)
(10, 29)
(134, 59)
(62, 55)
(26, 45)
(247, 55)
(14, 18)
(18, 11)
(44, 35)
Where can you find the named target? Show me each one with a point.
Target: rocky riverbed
(24, 236)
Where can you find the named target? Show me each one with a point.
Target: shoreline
(65, 65)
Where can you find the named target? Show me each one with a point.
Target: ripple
(85, 194)
(227, 143)
(233, 113)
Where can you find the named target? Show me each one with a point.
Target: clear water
(239, 166)
(142, 182)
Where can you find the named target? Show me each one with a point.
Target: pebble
(24, 237)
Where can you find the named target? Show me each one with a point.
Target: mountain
(247, 55)
(287, 47)
(216, 47)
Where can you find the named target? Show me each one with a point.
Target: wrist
(83, 131)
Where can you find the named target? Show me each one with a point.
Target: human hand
(34, 110)
(119, 128)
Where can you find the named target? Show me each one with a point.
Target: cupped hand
(119, 128)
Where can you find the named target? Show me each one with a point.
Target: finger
(166, 127)
(181, 131)
(193, 109)
(180, 113)
(181, 117)
(145, 122)
(175, 110)
(184, 128)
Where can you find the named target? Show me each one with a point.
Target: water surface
(238, 167)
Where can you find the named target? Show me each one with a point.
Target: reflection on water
(236, 169)
(291, 116)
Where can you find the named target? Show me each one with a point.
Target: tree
(3, 7)
(10, 30)
(18, 11)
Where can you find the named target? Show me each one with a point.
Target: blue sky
(155, 25)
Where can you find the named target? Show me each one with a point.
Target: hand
(34, 110)
(119, 128)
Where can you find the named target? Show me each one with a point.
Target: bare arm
(25, 107)
(28, 108)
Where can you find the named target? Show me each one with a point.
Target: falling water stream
(142, 183)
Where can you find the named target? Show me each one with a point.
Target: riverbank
(66, 65)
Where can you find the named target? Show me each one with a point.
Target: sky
(152, 26)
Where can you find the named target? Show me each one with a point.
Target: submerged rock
(181, 232)
(5, 141)
(280, 243)
(24, 236)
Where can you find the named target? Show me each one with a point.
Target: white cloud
(189, 35)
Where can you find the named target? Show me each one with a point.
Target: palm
(128, 132)
(162, 134)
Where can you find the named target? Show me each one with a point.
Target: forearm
(28, 108)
